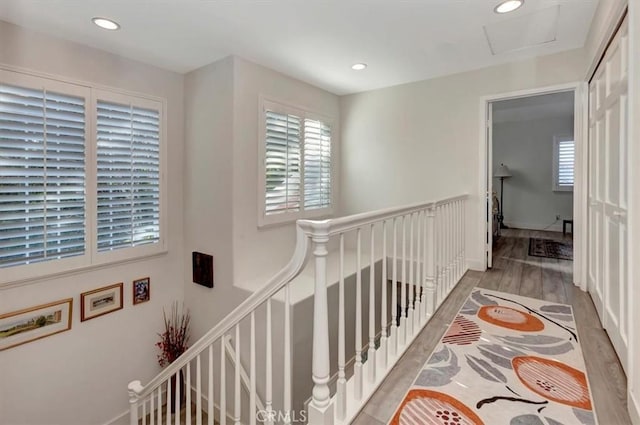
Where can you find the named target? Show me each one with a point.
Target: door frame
(580, 132)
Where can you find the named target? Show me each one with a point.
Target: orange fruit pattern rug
(505, 359)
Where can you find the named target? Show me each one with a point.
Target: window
(128, 175)
(42, 175)
(296, 161)
(563, 163)
(80, 176)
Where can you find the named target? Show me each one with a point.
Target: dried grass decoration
(173, 341)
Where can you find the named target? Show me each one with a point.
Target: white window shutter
(128, 175)
(317, 165)
(566, 161)
(42, 175)
(282, 163)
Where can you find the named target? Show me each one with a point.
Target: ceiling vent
(524, 31)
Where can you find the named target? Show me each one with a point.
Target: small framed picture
(100, 301)
(141, 290)
(29, 324)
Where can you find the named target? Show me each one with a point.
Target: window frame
(91, 258)
(265, 220)
(556, 162)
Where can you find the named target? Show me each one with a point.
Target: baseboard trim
(556, 227)
(121, 419)
(477, 265)
(633, 406)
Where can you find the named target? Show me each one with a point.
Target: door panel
(607, 209)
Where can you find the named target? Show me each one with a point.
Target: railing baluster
(423, 282)
(464, 235)
(451, 236)
(237, 406)
(371, 355)
(252, 371)
(187, 391)
(341, 388)
(430, 260)
(159, 410)
(169, 401)
(198, 391)
(210, 411)
(269, 367)
(383, 303)
(417, 283)
(287, 354)
(403, 295)
(152, 410)
(410, 281)
(144, 412)
(438, 252)
(357, 371)
(394, 291)
(223, 382)
(178, 396)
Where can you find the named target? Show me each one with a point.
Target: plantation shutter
(566, 161)
(317, 165)
(282, 162)
(42, 175)
(128, 175)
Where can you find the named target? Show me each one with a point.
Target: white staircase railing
(389, 288)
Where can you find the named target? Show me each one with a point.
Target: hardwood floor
(514, 271)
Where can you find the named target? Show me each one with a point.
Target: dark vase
(172, 409)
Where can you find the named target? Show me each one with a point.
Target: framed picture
(202, 269)
(141, 290)
(100, 301)
(29, 324)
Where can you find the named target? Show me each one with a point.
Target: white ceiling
(316, 41)
(554, 105)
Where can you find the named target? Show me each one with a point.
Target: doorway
(542, 189)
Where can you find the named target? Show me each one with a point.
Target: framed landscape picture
(100, 301)
(29, 324)
(141, 290)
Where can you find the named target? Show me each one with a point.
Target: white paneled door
(608, 200)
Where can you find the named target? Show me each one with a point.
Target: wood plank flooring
(514, 271)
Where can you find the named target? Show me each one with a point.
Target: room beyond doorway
(532, 163)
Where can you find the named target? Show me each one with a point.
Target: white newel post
(320, 407)
(133, 401)
(430, 263)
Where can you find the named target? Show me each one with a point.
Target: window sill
(72, 271)
(275, 220)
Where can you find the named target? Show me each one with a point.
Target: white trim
(579, 209)
(476, 264)
(633, 406)
(554, 227)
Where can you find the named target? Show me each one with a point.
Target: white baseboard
(633, 406)
(556, 227)
(476, 264)
(121, 419)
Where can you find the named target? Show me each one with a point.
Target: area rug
(505, 359)
(550, 248)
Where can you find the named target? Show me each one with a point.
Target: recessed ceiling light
(105, 23)
(508, 6)
(359, 66)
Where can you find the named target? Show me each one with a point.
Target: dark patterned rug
(550, 248)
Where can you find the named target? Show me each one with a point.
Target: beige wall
(261, 252)
(81, 376)
(421, 141)
(208, 190)
(526, 147)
